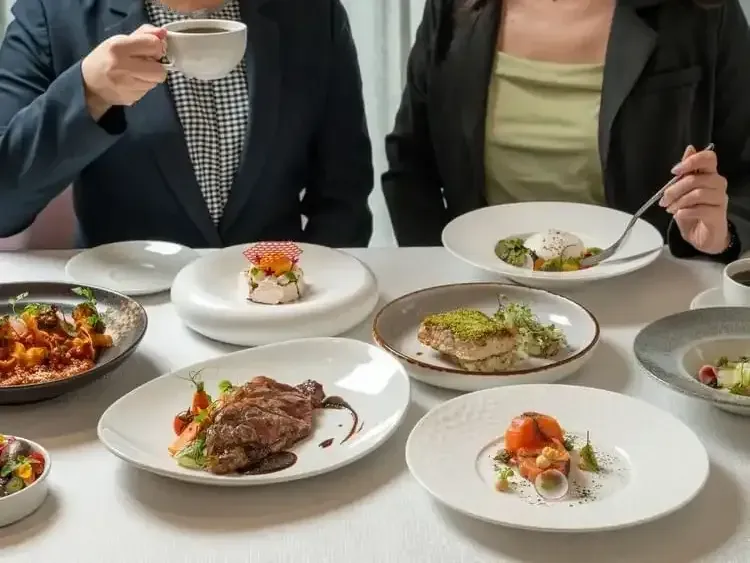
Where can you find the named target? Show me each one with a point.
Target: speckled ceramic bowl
(126, 322)
(672, 350)
(396, 325)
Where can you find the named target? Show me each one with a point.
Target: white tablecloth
(101, 510)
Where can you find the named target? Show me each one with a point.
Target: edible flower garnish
(588, 457)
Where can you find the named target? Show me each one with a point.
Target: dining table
(102, 510)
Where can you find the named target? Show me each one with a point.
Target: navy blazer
(132, 174)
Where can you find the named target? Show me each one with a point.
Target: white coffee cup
(205, 49)
(735, 293)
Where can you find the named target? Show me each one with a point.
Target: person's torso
(146, 185)
(657, 97)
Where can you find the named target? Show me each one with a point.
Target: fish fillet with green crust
(473, 340)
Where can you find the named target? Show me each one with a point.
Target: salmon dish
(535, 443)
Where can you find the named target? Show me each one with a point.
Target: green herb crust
(467, 324)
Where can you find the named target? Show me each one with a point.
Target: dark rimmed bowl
(126, 322)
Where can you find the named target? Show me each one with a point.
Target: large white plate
(396, 325)
(206, 294)
(449, 451)
(472, 238)
(136, 267)
(138, 426)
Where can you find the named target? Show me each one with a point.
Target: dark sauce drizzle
(335, 402)
(282, 460)
(275, 462)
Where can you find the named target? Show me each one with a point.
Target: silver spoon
(608, 252)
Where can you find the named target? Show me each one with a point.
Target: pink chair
(54, 228)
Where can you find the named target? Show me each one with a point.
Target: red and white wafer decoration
(264, 253)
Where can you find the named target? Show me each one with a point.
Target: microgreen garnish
(13, 301)
(225, 386)
(90, 300)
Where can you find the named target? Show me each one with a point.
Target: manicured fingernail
(671, 210)
(662, 202)
(677, 169)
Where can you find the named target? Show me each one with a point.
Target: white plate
(449, 453)
(342, 293)
(132, 267)
(472, 238)
(138, 426)
(707, 299)
(396, 325)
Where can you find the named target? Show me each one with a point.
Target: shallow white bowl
(18, 506)
(449, 453)
(342, 293)
(472, 238)
(396, 325)
(138, 427)
(136, 267)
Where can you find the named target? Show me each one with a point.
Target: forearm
(47, 144)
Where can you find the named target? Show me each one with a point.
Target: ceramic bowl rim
(380, 341)
(704, 392)
(138, 337)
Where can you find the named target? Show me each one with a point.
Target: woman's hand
(698, 202)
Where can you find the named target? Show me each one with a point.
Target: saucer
(131, 267)
(706, 299)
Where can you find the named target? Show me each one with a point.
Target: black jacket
(675, 74)
(132, 174)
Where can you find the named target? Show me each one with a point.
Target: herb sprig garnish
(90, 300)
(13, 301)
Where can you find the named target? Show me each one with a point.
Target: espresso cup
(205, 49)
(735, 283)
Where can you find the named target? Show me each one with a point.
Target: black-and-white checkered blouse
(214, 116)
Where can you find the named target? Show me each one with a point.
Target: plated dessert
(491, 343)
(547, 251)
(40, 343)
(250, 428)
(274, 276)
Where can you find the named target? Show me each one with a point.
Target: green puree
(467, 324)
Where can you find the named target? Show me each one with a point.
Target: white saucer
(706, 299)
(341, 293)
(136, 267)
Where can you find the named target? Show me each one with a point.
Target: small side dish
(551, 251)
(39, 343)
(476, 341)
(20, 465)
(536, 447)
(732, 376)
(274, 276)
(250, 428)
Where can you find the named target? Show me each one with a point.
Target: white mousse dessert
(555, 244)
(274, 277)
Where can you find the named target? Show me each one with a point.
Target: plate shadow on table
(634, 295)
(72, 418)
(608, 369)
(677, 538)
(33, 526)
(196, 507)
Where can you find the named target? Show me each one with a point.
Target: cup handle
(167, 63)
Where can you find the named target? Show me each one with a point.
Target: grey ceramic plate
(126, 322)
(673, 348)
(396, 325)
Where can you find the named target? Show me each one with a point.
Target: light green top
(541, 132)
